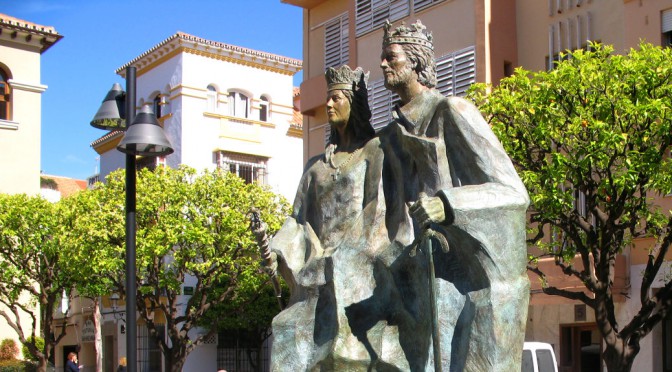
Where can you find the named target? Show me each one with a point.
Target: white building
(21, 46)
(221, 106)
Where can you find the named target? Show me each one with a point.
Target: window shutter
(419, 5)
(579, 30)
(398, 10)
(666, 21)
(444, 75)
(380, 103)
(336, 42)
(456, 72)
(363, 16)
(371, 14)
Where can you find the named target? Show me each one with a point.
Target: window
(242, 350)
(156, 106)
(5, 96)
(666, 28)
(667, 343)
(248, 167)
(336, 42)
(239, 104)
(150, 358)
(455, 72)
(212, 99)
(580, 348)
(508, 69)
(150, 162)
(380, 103)
(545, 360)
(371, 14)
(263, 109)
(419, 5)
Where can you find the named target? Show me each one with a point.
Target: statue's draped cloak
(443, 147)
(335, 253)
(359, 299)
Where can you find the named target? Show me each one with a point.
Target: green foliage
(598, 124)
(8, 349)
(596, 128)
(48, 183)
(32, 276)
(39, 343)
(189, 225)
(15, 365)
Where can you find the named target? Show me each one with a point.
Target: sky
(99, 36)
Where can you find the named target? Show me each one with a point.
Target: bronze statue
(357, 251)
(337, 227)
(457, 180)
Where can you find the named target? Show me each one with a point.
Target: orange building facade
(484, 41)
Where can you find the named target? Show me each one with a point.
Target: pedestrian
(71, 363)
(122, 365)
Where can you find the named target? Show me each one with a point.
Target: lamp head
(114, 298)
(112, 111)
(145, 136)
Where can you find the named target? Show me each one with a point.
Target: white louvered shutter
(336, 42)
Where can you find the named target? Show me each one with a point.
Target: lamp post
(145, 137)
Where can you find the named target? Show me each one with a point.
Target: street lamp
(118, 315)
(143, 137)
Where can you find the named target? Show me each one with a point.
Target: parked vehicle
(538, 357)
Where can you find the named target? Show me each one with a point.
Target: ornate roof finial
(345, 78)
(414, 34)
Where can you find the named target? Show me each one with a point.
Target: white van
(538, 357)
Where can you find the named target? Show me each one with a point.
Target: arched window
(239, 104)
(156, 105)
(212, 98)
(264, 109)
(5, 96)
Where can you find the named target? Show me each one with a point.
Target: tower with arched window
(21, 46)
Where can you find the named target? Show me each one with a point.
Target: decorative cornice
(18, 30)
(35, 88)
(185, 43)
(107, 141)
(240, 120)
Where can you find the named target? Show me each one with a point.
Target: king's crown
(414, 34)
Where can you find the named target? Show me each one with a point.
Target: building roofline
(192, 43)
(106, 137)
(47, 34)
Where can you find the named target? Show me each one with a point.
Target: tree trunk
(176, 358)
(42, 364)
(98, 342)
(619, 357)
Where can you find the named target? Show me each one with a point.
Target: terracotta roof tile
(13, 21)
(67, 186)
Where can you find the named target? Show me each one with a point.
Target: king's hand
(428, 210)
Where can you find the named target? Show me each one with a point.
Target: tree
(31, 276)
(192, 230)
(596, 126)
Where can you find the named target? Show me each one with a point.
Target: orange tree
(32, 274)
(598, 126)
(192, 230)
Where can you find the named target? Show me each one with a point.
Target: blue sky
(101, 36)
